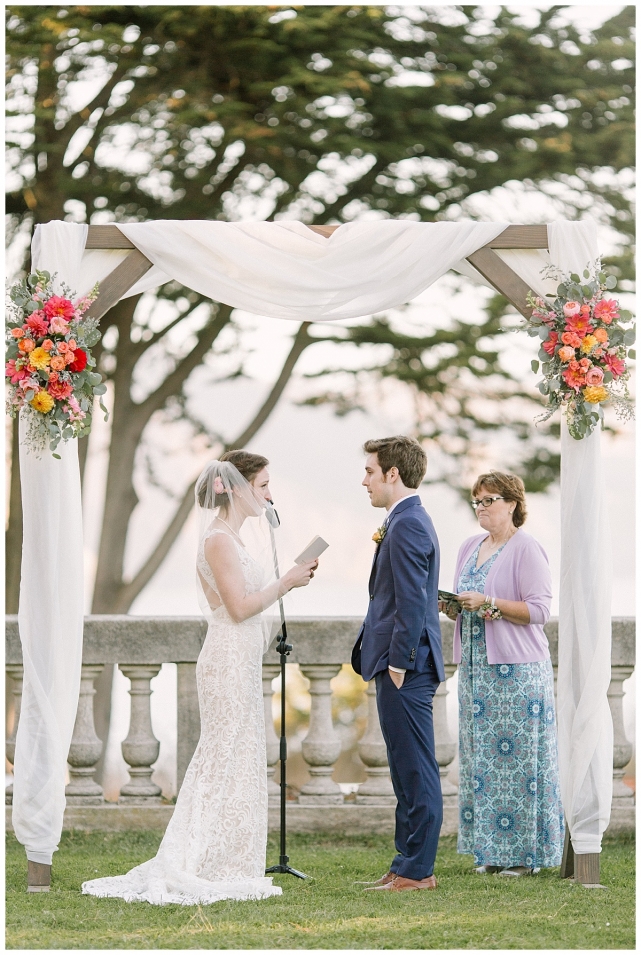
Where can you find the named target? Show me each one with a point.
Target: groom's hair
(403, 453)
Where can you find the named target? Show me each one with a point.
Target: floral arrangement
(584, 349)
(379, 534)
(50, 366)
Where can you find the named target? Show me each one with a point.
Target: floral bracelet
(488, 610)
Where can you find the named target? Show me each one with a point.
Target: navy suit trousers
(408, 729)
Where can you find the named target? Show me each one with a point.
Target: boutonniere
(379, 534)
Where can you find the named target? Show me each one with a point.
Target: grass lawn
(327, 912)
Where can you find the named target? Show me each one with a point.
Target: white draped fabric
(51, 606)
(284, 270)
(585, 627)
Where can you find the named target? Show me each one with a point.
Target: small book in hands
(313, 550)
(451, 600)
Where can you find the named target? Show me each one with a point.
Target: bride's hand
(300, 575)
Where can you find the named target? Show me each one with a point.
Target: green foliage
(328, 911)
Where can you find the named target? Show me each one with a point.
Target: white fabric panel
(50, 615)
(585, 627)
(284, 270)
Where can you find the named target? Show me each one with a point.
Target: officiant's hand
(448, 609)
(300, 575)
(470, 600)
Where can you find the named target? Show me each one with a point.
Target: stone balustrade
(140, 645)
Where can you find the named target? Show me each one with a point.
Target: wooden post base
(587, 869)
(38, 877)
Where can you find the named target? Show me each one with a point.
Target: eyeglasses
(486, 501)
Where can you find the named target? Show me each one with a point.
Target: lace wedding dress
(214, 845)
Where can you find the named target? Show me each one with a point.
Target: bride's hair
(245, 463)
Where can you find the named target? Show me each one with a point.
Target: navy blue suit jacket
(402, 625)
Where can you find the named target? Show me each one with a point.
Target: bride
(214, 845)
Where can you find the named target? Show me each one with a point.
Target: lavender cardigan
(520, 572)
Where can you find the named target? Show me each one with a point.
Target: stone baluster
(16, 672)
(140, 749)
(622, 795)
(270, 671)
(86, 746)
(322, 745)
(444, 741)
(377, 788)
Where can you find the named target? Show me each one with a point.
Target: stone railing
(140, 645)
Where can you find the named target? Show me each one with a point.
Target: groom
(399, 645)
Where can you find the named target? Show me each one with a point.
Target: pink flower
(38, 324)
(594, 376)
(14, 374)
(607, 310)
(59, 308)
(17, 332)
(571, 308)
(74, 410)
(615, 365)
(580, 325)
(47, 344)
(584, 364)
(60, 389)
(58, 326)
(566, 353)
(550, 343)
(219, 487)
(573, 376)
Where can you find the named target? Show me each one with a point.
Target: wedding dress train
(214, 845)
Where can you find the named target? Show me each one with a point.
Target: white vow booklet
(313, 550)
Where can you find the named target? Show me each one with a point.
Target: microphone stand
(284, 648)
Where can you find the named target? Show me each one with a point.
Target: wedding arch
(306, 273)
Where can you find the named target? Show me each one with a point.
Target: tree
(320, 113)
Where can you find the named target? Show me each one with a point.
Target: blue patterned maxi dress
(509, 800)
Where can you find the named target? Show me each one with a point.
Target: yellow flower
(379, 534)
(595, 393)
(588, 344)
(42, 402)
(39, 358)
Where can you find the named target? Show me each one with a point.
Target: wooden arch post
(485, 260)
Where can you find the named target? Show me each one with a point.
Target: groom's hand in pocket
(397, 678)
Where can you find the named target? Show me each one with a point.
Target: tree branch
(300, 343)
(130, 590)
(171, 384)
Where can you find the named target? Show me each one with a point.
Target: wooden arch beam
(485, 260)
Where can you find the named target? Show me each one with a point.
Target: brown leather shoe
(38, 877)
(388, 877)
(401, 884)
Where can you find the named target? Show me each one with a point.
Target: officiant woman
(510, 815)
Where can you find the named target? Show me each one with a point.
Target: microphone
(272, 514)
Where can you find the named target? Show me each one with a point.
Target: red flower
(38, 324)
(79, 362)
(61, 307)
(607, 310)
(550, 343)
(615, 365)
(60, 389)
(573, 376)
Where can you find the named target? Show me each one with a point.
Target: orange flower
(17, 333)
(571, 338)
(57, 363)
(566, 353)
(47, 344)
(26, 345)
(601, 335)
(574, 376)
